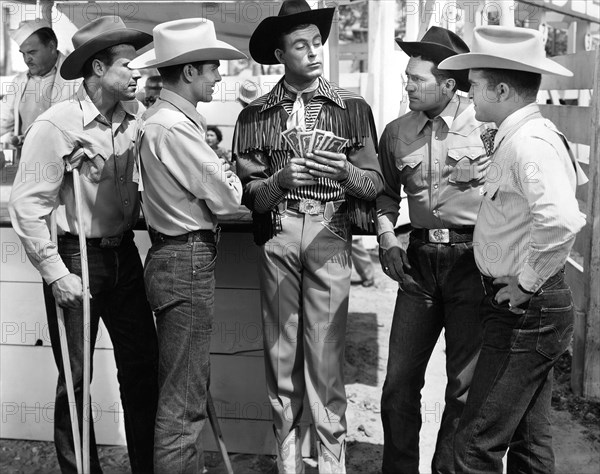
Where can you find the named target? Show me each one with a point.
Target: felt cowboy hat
(97, 35)
(185, 41)
(438, 44)
(27, 28)
(263, 41)
(249, 91)
(507, 47)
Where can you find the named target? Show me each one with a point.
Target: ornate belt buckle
(439, 236)
(111, 242)
(309, 206)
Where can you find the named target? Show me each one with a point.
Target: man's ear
(187, 73)
(98, 67)
(279, 56)
(503, 91)
(449, 85)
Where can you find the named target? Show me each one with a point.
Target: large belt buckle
(309, 206)
(111, 242)
(439, 236)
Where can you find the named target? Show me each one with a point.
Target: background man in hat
(33, 92)
(94, 132)
(185, 186)
(301, 207)
(435, 153)
(525, 229)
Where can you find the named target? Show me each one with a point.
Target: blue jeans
(118, 297)
(444, 292)
(509, 401)
(180, 283)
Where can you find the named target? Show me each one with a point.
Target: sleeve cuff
(53, 270)
(530, 280)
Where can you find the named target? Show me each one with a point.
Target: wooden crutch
(66, 361)
(85, 280)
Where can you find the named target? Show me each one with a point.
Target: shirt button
(435, 186)
(126, 202)
(122, 179)
(435, 162)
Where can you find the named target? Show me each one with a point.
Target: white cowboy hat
(26, 29)
(506, 47)
(185, 41)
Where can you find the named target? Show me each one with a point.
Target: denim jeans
(444, 292)
(509, 401)
(118, 297)
(180, 284)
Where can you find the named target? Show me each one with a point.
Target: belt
(307, 206)
(490, 289)
(102, 242)
(444, 236)
(208, 236)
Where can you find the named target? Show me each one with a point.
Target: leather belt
(307, 206)
(102, 242)
(444, 236)
(196, 236)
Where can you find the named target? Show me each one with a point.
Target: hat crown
(173, 38)
(291, 7)
(97, 27)
(510, 41)
(26, 28)
(447, 38)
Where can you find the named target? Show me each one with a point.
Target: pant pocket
(159, 279)
(556, 325)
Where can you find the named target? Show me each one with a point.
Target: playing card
(336, 144)
(306, 141)
(293, 140)
(321, 139)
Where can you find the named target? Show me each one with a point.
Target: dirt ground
(576, 427)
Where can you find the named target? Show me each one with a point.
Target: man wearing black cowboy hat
(94, 132)
(302, 206)
(436, 154)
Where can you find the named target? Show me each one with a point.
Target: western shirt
(437, 163)
(529, 215)
(184, 184)
(107, 177)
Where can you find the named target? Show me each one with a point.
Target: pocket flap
(470, 152)
(412, 161)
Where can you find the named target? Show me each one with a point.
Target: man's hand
(68, 291)
(511, 293)
(226, 168)
(327, 164)
(295, 174)
(393, 258)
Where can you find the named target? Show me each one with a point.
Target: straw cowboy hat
(263, 41)
(26, 29)
(438, 44)
(185, 41)
(97, 35)
(507, 47)
(249, 92)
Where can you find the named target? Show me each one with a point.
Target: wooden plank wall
(580, 124)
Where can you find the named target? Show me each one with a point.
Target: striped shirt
(258, 168)
(529, 215)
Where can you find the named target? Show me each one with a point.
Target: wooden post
(591, 263)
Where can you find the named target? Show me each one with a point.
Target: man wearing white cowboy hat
(434, 152)
(526, 226)
(34, 91)
(302, 207)
(94, 132)
(185, 186)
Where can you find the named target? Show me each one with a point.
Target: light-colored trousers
(305, 282)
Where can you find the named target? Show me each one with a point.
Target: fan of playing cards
(303, 142)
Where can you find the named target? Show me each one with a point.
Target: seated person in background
(214, 136)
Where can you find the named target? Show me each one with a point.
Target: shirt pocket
(94, 165)
(465, 162)
(413, 171)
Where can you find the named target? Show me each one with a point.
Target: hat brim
(489, 61)
(72, 67)
(437, 53)
(262, 47)
(221, 51)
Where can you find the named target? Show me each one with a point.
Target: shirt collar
(280, 94)
(447, 115)
(514, 119)
(184, 105)
(91, 112)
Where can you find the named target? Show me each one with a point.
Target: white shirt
(529, 215)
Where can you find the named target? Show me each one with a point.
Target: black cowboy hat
(437, 45)
(263, 41)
